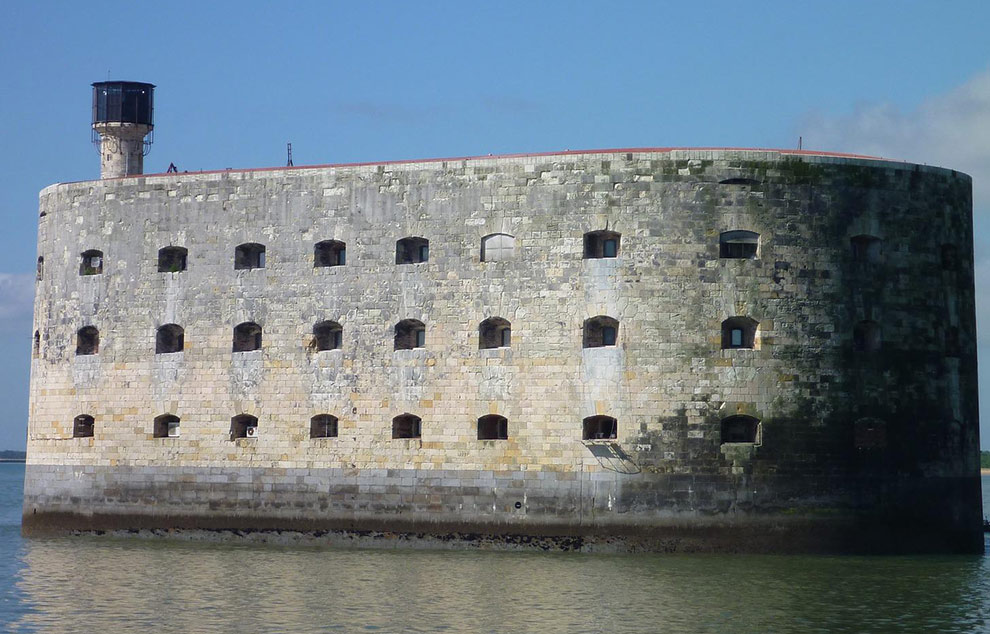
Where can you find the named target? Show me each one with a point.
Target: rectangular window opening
(608, 336)
(737, 338)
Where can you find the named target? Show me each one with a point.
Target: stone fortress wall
(849, 405)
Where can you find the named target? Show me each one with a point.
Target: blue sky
(392, 80)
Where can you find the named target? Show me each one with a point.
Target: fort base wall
(511, 509)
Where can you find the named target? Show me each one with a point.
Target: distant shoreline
(13, 460)
(984, 471)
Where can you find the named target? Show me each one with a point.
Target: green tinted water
(120, 585)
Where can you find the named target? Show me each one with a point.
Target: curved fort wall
(842, 415)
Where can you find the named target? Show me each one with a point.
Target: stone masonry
(860, 380)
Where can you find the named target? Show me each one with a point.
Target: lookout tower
(122, 125)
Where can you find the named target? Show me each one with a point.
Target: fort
(658, 349)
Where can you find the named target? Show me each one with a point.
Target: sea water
(108, 585)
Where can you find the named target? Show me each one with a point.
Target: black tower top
(123, 102)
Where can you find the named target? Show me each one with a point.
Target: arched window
(41, 269)
(36, 348)
(498, 247)
(412, 250)
(740, 428)
(247, 337)
(83, 426)
(249, 256)
(407, 426)
(323, 426)
(169, 338)
(172, 259)
(739, 332)
(329, 253)
(950, 257)
(92, 262)
(166, 426)
(243, 426)
(87, 340)
(866, 248)
(600, 331)
(493, 427)
(866, 336)
(494, 332)
(870, 433)
(600, 428)
(409, 334)
(738, 244)
(601, 244)
(327, 336)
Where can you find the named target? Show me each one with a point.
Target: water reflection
(118, 585)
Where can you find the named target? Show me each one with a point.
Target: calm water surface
(128, 585)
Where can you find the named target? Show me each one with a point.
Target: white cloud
(950, 130)
(16, 301)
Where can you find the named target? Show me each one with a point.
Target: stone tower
(123, 119)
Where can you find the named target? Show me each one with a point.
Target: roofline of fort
(828, 156)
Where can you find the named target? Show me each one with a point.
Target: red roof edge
(656, 150)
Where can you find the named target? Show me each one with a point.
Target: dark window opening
(498, 247)
(866, 248)
(739, 181)
(494, 332)
(409, 334)
(407, 426)
(249, 256)
(329, 253)
(169, 338)
(600, 428)
(600, 331)
(740, 429)
(870, 433)
(866, 336)
(88, 340)
(493, 427)
(738, 245)
(247, 337)
(950, 257)
(601, 244)
(739, 332)
(243, 426)
(412, 251)
(36, 348)
(40, 274)
(166, 426)
(83, 426)
(92, 263)
(327, 335)
(323, 426)
(172, 259)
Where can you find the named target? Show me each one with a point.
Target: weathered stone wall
(668, 382)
